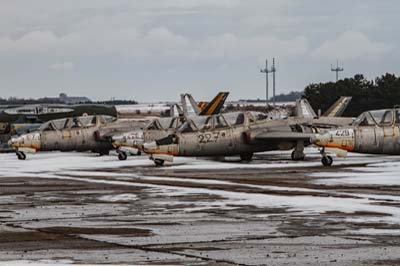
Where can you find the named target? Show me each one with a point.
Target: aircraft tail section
(189, 105)
(202, 105)
(338, 108)
(176, 111)
(304, 109)
(215, 106)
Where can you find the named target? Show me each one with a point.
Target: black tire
(122, 156)
(294, 158)
(159, 162)
(21, 155)
(327, 160)
(139, 152)
(246, 157)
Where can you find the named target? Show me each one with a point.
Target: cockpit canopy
(384, 117)
(76, 122)
(164, 123)
(221, 121)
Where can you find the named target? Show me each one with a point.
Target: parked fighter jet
(375, 132)
(239, 134)
(85, 133)
(131, 142)
(91, 133)
(27, 118)
(229, 134)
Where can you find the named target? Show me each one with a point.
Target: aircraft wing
(284, 136)
(338, 108)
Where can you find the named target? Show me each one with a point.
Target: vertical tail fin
(338, 108)
(304, 109)
(189, 105)
(176, 110)
(215, 106)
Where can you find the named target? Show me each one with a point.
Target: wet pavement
(62, 208)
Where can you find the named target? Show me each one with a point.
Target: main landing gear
(298, 153)
(298, 156)
(21, 155)
(326, 159)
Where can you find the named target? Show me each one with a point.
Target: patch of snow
(121, 197)
(385, 174)
(373, 231)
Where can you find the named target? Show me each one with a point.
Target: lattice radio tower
(337, 69)
(266, 70)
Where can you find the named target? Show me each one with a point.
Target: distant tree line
(117, 102)
(21, 101)
(383, 92)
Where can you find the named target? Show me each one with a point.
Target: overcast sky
(154, 50)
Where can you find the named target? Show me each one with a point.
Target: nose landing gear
(21, 155)
(122, 155)
(159, 162)
(326, 159)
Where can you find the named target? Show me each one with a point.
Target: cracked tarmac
(97, 210)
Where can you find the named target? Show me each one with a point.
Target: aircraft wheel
(159, 162)
(327, 160)
(298, 156)
(139, 152)
(122, 156)
(246, 157)
(21, 155)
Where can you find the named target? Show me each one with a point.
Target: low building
(73, 99)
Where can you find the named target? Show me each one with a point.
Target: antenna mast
(337, 69)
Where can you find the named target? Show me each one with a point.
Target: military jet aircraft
(85, 133)
(374, 132)
(243, 133)
(131, 142)
(27, 118)
(229, 134)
